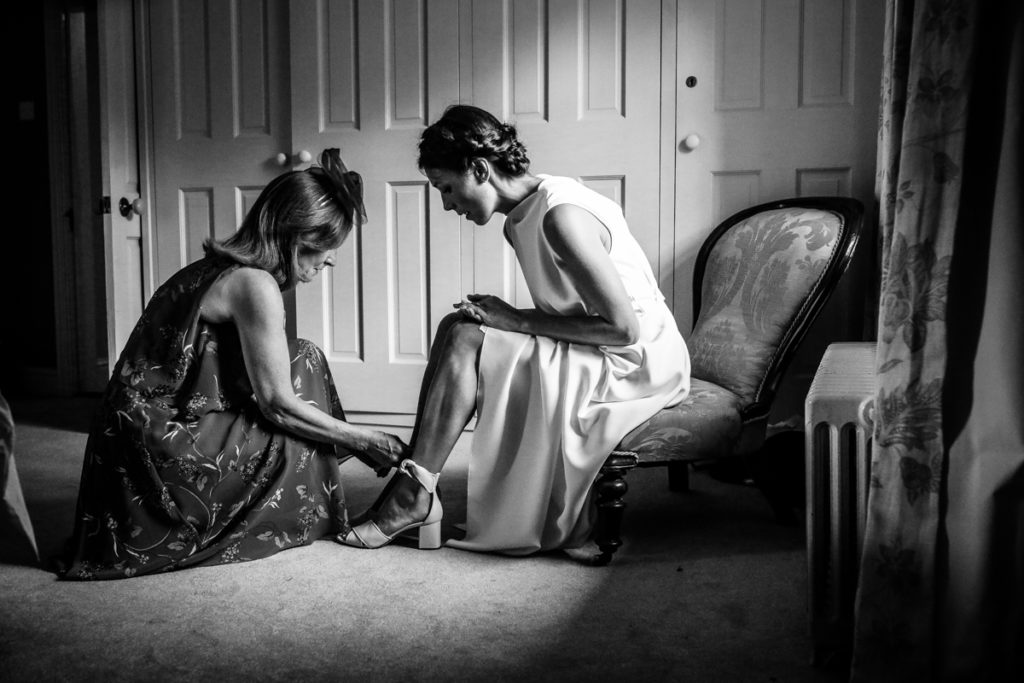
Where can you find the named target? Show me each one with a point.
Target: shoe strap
(425, 478)
(366, 535)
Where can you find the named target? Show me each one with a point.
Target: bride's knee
(446, 324)
(464, 337)
(450, 319)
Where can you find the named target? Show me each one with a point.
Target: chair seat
(706, 424)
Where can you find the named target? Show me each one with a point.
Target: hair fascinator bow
(347, 185)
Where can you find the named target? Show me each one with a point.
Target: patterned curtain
(941, 589)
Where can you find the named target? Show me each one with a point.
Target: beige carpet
(708, 588)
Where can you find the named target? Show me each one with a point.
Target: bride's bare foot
(408, 503)
(406, 506)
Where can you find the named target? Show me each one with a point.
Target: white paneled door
(775, 99)
(218, 74)
(580, 79)
(366, 78)
(231, 90)
(775, 96)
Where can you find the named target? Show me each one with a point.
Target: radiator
(838, 427)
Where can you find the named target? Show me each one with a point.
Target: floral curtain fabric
(950, 109)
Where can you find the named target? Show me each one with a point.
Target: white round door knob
(305, 157)
(281, 159)
(691, 142)
(126, 208)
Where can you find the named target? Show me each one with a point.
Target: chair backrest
(761, 278)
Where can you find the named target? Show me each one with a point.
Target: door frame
(73, 58)
(123, 90)
(64, 380)
(143, 131)
(117, 32)
(665, 268)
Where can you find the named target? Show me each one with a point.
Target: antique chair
(761, 278)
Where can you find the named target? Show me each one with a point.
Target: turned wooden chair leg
(610, 488)
(679, 476)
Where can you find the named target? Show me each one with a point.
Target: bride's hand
(491, 311)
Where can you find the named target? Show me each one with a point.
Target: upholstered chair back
(757, 276)
(761, 278)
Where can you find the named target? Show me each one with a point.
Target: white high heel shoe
(369, 535)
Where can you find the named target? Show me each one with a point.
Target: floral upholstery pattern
(756, 279)
(762, 275)
(705, 424)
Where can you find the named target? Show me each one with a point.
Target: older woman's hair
(465, 132)
(309, 210)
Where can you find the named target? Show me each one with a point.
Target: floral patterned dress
(181, 468)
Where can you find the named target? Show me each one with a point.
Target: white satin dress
(549, 412)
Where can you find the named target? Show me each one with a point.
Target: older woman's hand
(386, 449)
(491, 311)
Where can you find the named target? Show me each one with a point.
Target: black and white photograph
(513, 340)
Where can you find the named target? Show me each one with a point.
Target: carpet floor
(708, 587)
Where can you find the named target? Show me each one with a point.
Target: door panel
(558, 70)
(366, 78)
(220, 118)
(580, 80)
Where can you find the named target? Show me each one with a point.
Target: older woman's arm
(251, 299)
(581, 242)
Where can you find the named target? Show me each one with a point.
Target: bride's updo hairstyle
(465, 132)
(299, 211)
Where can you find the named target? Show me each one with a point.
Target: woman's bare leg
(437, 351)
(447, 404)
